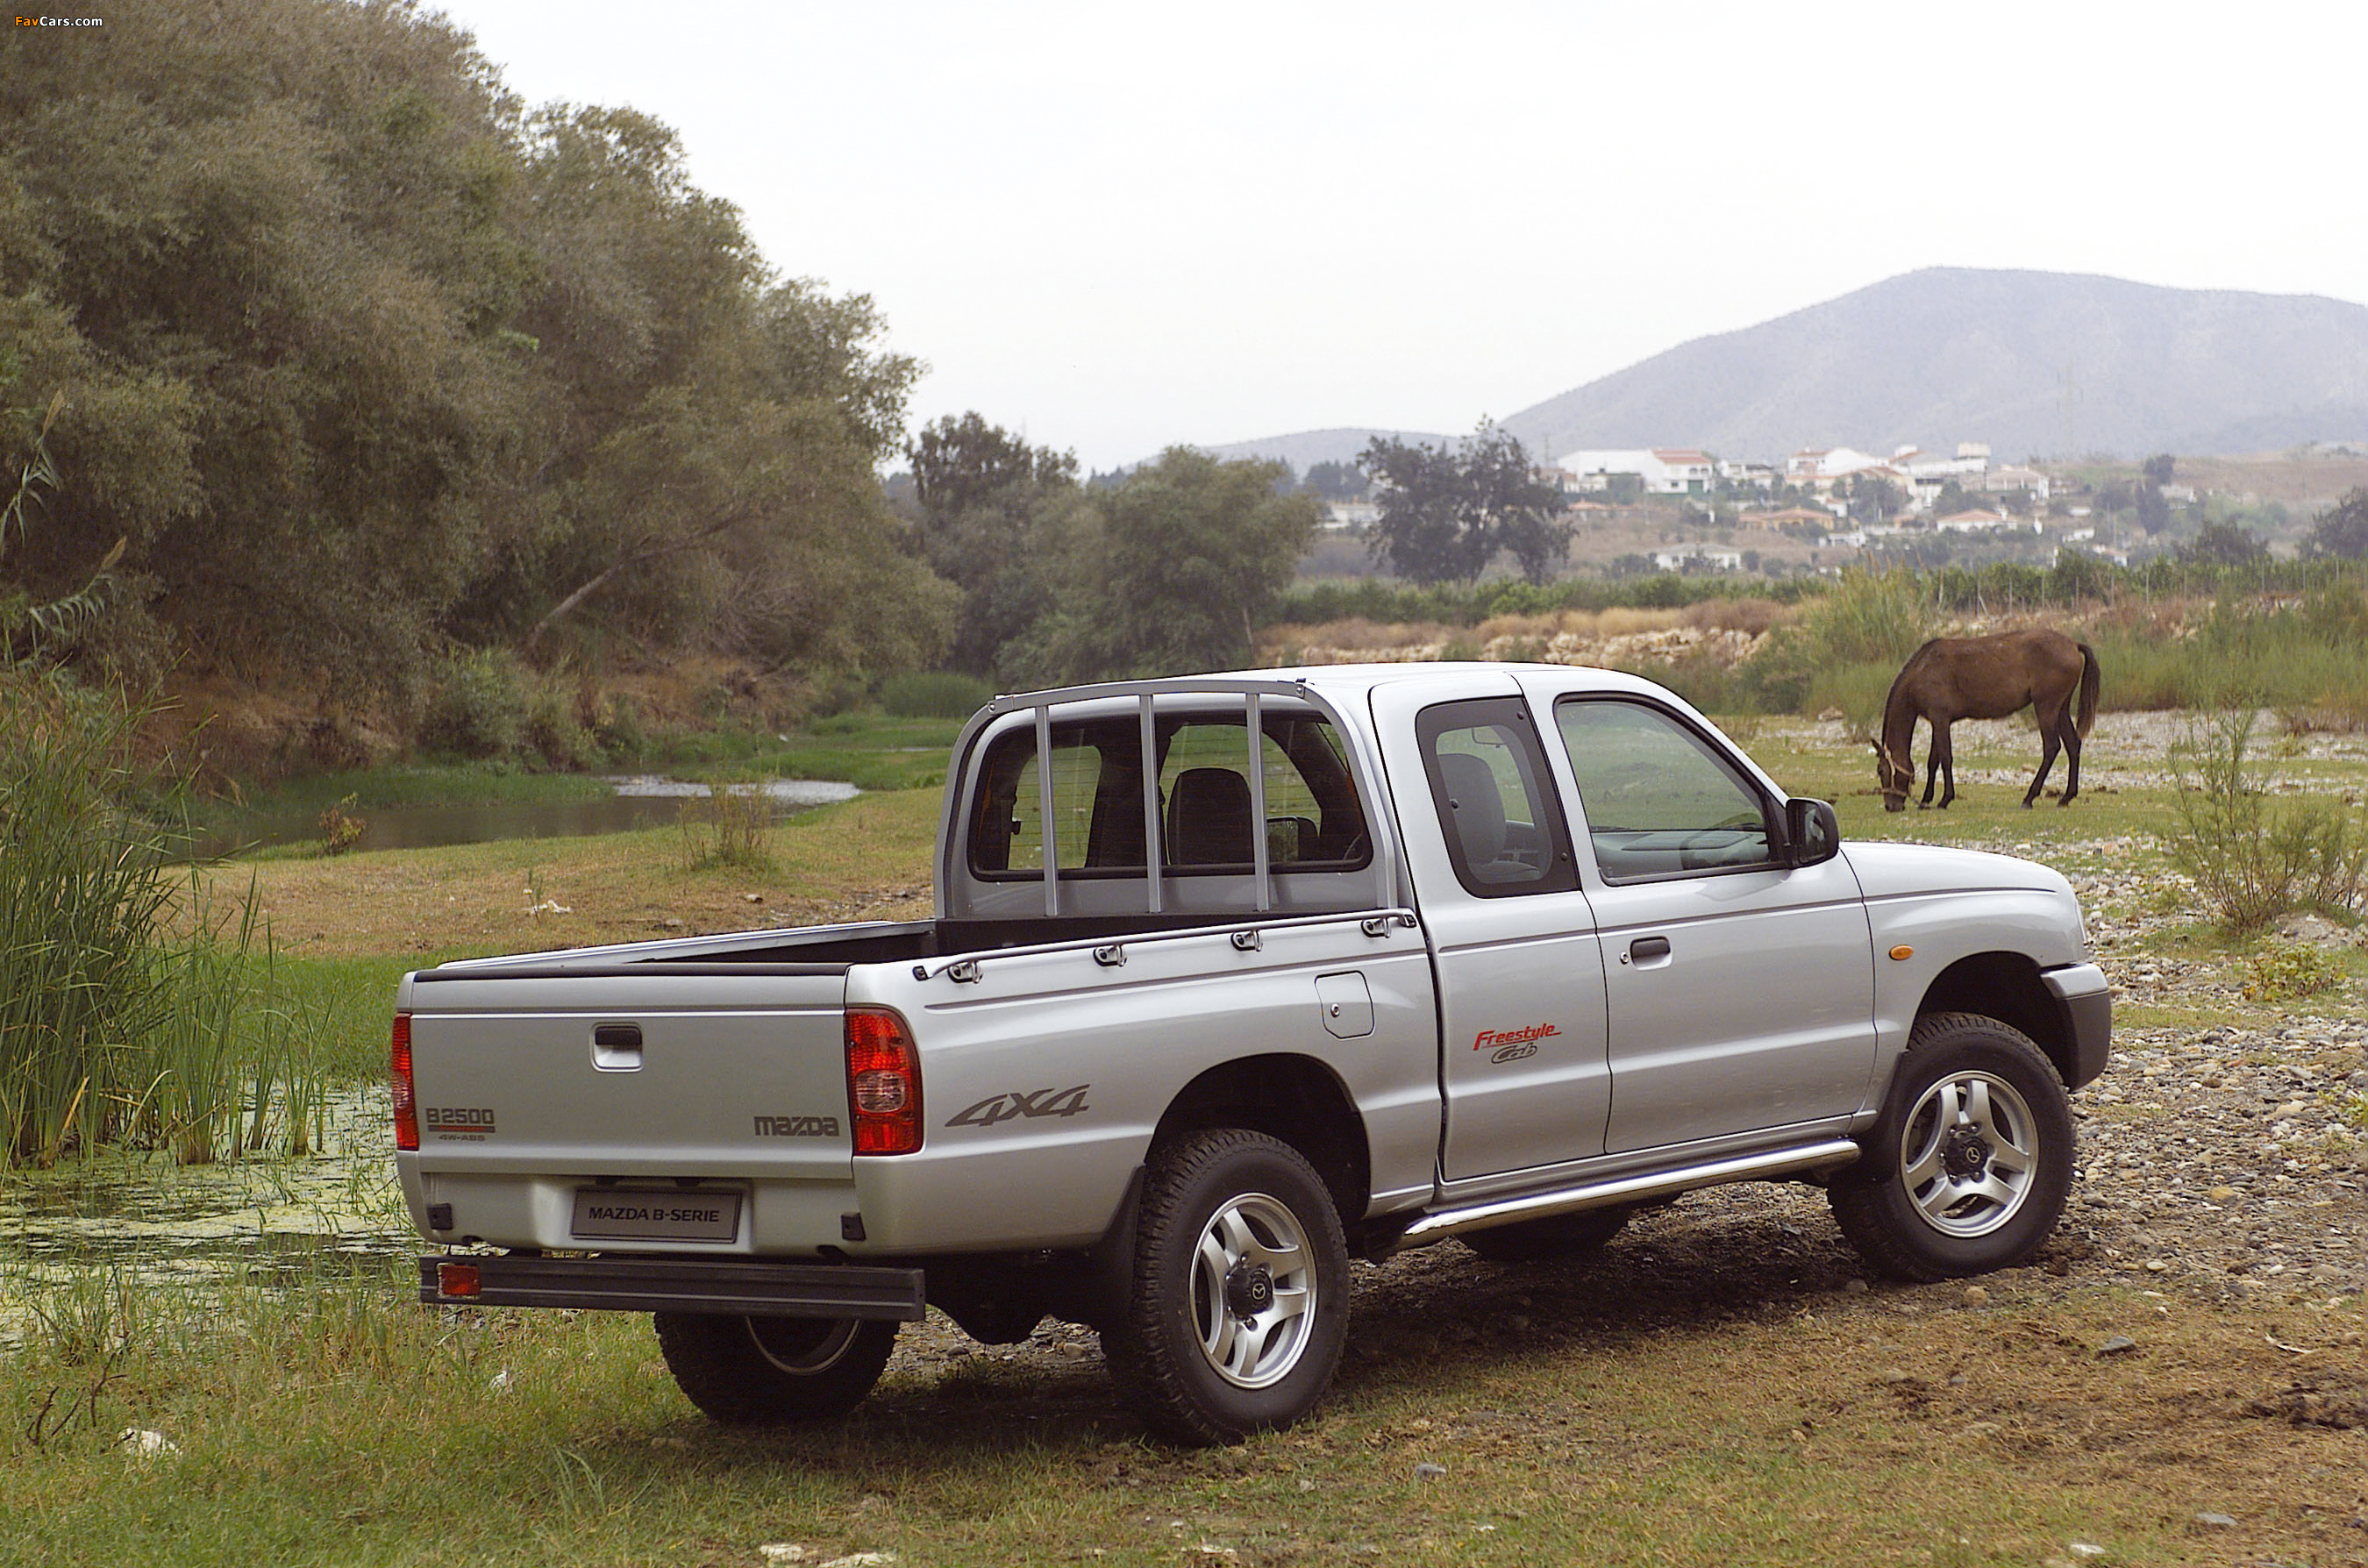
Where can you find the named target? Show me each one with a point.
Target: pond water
(175, 1229)
(635, 803)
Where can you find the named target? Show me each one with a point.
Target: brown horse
(1951, 678)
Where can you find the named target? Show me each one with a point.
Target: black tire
(769, 1371)
(1204, 1357)
(1558, 1236)
(1969, 1168)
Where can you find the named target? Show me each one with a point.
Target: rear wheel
(1559, 1236)
(1239, 1306)
(1970, 1166)
(761, 1371)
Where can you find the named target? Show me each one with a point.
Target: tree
(1334, 481)
(1171, 569)
(1874, 498)
(2158, 469)
(2224, 544)
(1446, 515)
(2342, 530)
(988, 502)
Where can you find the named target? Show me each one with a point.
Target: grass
(337, 1422)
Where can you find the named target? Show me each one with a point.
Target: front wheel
(1969, 1169)
(767, 1371)
(1239, 1306)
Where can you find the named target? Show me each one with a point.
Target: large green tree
(1446, 515)
(1166, 572)
(361, 359)
(992, 510)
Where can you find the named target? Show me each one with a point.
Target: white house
(1664, 471)
(1698, 557)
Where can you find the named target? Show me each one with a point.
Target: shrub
(940, 694)
(2253, 863)
(2288, 971)
(726, 829)
(476, 707)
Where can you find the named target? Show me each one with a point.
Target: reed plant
(131, 1011)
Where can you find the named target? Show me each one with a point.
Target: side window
(1659, 798)
(1496, 803)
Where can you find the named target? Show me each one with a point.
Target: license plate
(618, 1213)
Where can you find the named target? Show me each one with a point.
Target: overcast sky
(1118, 227)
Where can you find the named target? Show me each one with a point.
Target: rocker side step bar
(1831, 1154)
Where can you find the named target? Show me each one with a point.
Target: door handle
(1643, 950)
(617, 1048)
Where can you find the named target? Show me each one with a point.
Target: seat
(1209, 818)
(1477, 807)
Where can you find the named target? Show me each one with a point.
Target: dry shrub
(1356, 632)
(1753, 617)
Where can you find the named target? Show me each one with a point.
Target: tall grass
(129, 1010)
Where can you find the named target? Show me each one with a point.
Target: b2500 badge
(1018, 1103)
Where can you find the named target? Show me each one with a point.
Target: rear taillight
(883, 1082)
(406, 1106)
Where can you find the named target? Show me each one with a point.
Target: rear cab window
(1496, 803)
(1313, 818)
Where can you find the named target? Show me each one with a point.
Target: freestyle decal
(1018, 1103)
(1502, 1037)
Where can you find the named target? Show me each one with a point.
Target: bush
(2288, 971)
(2252, 863)
(476, 707)
(940, 694)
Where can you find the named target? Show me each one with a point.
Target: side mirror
(1812, 836)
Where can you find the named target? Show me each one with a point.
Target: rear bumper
(2086, 1001)
(673, 1284)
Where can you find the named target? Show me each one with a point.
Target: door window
(1660, 799)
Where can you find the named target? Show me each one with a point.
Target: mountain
(1308, 448)
(2037, 364)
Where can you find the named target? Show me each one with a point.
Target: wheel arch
(1294, 1098)
(2006, 986)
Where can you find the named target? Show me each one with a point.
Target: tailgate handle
(617, 1048)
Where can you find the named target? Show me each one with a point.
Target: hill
(1308, 448)
(2037, 364)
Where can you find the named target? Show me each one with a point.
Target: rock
(1854, 1287)
(141, 1444)
(2120, 1345)
(1976, 1296)
(782, 1551)
(2216, 1521)
(1430, 1471)
(2085, 1548)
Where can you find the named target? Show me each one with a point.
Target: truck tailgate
(647, 1070)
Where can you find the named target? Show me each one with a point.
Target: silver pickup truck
(1234, 979)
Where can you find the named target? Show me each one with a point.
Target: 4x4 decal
(1018, 1103)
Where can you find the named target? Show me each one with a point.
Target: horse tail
(2090, 680)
